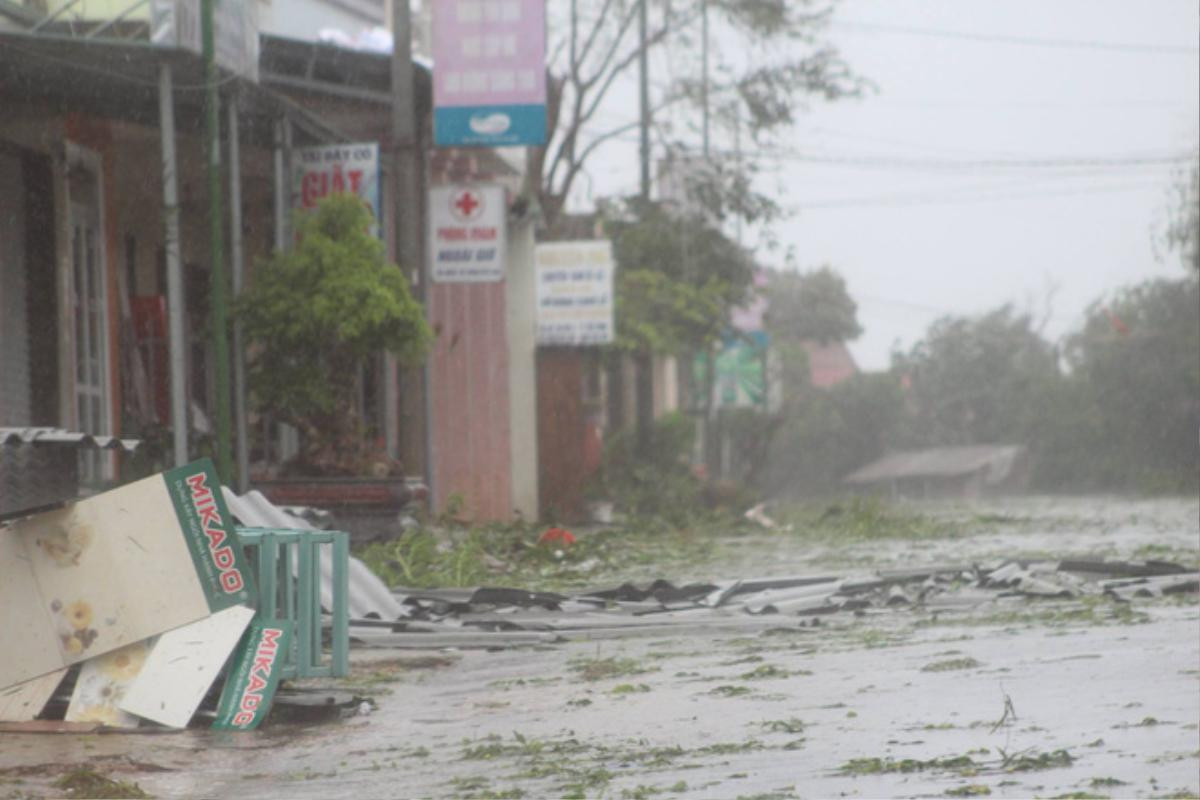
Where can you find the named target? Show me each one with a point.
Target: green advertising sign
(739, 374)
(208, 528)
(254, 676)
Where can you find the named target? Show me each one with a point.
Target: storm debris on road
(126, 607)
(494, 617)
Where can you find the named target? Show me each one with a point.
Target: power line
(1024, 41)
(1116, 161)
(896, 162)
(983, 197)
(954, 104)
(1002, 182)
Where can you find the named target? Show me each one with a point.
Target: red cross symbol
(467, 205)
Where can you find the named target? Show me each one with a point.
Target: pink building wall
(470, 397)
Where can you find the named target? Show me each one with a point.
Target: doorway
(89, 311)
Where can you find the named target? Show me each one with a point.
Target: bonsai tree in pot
(313, 318)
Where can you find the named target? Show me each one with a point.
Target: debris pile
(135, 600)
(498, 617)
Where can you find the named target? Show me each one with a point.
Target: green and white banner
(254, 677)
(209, 531)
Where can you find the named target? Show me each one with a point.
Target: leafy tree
(312, 318)
(594, 45)
(1138, 357)
(657, 480)
(827, 434)
(813, 438)
(1183, 231)
(975, 380)
(677, 279)
(811, 306)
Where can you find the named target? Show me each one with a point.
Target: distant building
(829, 363)
(963, 472)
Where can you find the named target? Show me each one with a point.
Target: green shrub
(313, 317)
(657, 480)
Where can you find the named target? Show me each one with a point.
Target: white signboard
(575, 293)
(336, 169)
(467, 229)
(176, 23)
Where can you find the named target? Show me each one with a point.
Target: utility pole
(704, 69)
(238, 265)
(707, 425)
(644, 97)
(643, 361)
(407, 166)
(175, 304)
(218, 315)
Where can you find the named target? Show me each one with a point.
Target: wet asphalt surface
(1016, 698)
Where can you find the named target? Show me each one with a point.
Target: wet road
(1017, 699)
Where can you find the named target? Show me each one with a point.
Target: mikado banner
(254, 676)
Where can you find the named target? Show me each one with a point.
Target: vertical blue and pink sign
(489, 73)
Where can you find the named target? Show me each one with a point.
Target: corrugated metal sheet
(369, 596)
(997, 460)
(41, 436)
(39, 466)
(15, 402)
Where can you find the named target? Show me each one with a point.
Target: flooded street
(1012, 697)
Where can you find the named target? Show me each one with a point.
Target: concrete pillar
(522, 370)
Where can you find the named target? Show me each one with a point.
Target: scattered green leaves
(766, 672)
(792, 725)
(629, 688)
(598, 669)
(877, 766)
(1031, 761)
(951, 664)
(85, 782)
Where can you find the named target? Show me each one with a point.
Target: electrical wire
(1120, 161)
(983, 197)
(1024, 41)
(941, 164)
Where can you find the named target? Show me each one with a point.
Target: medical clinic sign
(335, 169)
(467, 229)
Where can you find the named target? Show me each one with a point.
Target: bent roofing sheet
(941, 462)
(40, 436)
(369, 596)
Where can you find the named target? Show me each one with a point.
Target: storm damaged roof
(941, 462)
(493, 617)
(16, 437)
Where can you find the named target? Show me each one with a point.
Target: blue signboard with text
(489, 73)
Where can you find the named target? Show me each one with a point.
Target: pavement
(1029, 696)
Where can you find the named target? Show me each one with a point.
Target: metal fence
(288, 563)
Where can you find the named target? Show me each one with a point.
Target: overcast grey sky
(979, 81)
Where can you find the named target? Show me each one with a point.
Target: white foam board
(182, 666)
(114, 569)
(25, 701)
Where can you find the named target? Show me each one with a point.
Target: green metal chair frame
(289, 588)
